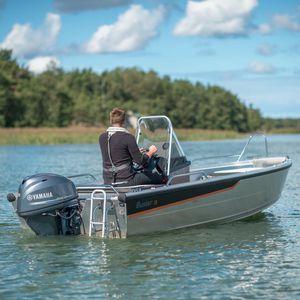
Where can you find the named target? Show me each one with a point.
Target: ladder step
(114, 218)
(104, 212)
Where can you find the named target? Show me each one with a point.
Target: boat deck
(203, 174)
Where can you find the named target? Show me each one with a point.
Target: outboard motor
(49, 204)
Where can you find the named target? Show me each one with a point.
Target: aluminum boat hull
(238, 199)
(219, 199)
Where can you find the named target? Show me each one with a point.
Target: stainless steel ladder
(117, 226)
(104, 212)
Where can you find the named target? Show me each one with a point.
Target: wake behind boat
(52, 204)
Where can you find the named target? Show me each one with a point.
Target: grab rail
(248, 142)
(83, 175)
(110, 187)
(186, 174)
(217, 156)
(239, 156)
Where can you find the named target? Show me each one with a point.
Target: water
(253, 259)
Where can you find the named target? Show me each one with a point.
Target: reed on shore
(89, 135)
(285, 130)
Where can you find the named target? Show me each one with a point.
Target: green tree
(12, 80)
(59, 98)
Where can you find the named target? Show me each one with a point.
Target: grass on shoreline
(49, 136)
(89, 135)
(285, 131)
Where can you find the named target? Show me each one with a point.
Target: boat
(51, 204)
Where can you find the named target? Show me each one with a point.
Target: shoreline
(90, 135)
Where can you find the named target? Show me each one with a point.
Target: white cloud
(261, 68)
(42, 63)
(26, 41)
(67, 6)
(286, 22)
(132, 31)
(215, 18)
(281, 21)
(265, 28)
(266, 49)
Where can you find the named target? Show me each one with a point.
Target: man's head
(117, 117)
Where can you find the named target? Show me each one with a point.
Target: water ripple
(258, 258)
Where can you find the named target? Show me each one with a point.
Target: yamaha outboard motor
(49, 204)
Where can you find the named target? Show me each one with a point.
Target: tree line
(57, 98)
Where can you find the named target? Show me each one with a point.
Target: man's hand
(152, 150)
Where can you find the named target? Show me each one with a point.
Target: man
(119, 150)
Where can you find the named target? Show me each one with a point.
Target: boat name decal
(148, 203)
(39, 196)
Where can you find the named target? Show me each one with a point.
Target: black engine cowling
(49, 204)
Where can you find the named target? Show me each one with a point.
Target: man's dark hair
(117, 116)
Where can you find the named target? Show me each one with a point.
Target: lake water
(253, 259)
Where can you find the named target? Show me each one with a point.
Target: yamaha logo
(39, 196)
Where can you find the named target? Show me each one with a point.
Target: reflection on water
(258, 258)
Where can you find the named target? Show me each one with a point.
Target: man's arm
(136, 155)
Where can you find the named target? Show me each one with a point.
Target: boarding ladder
(109, 228)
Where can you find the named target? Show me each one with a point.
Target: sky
(250, 47)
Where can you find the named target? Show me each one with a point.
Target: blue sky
(251, 47)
